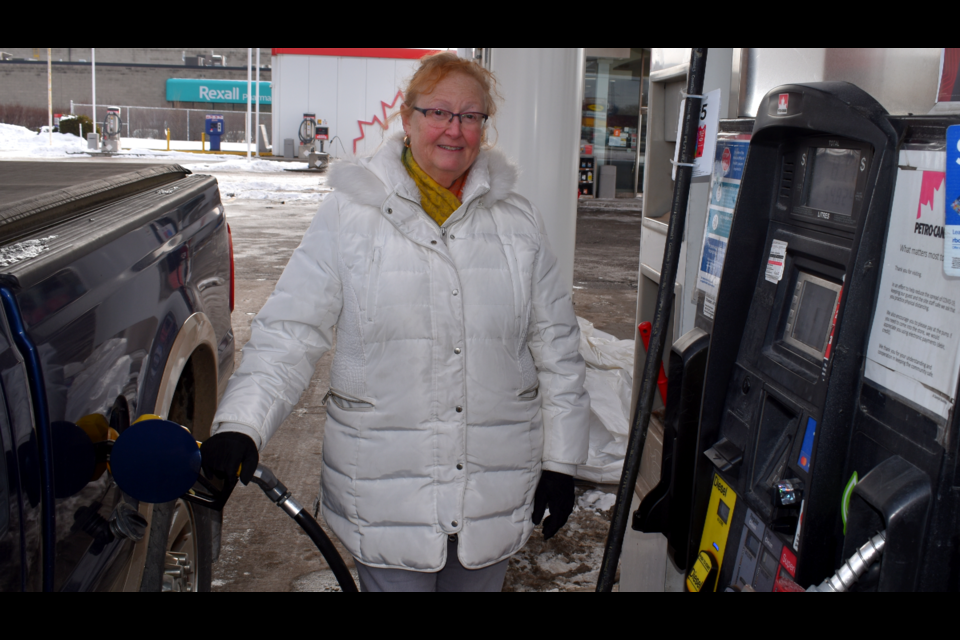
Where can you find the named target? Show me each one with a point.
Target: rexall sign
(202, 90)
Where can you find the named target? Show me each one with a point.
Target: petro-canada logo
(783, 103)
(931, 204)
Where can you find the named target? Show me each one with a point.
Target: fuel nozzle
(276, 491)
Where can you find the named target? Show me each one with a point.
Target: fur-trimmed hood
(370, 180)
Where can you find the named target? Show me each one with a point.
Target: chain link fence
(184, 124)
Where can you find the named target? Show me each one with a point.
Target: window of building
(613, 124)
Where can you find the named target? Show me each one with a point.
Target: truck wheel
(180, 549)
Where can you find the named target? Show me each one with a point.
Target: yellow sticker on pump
(716, 527)
(700, 572)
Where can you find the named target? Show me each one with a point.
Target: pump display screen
(811, 314)
(723, 511)
(833, 180)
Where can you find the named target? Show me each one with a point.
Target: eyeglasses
(441, 118)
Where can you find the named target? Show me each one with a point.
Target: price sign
(707, 125)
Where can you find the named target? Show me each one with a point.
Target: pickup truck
(116, 287)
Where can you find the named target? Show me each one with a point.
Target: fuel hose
(661, 318)
(279, 495)
(312, 528)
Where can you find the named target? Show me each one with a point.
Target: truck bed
(35, 196)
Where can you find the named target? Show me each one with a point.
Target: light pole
(249, 64)
(93, 80)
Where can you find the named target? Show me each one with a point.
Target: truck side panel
(103, 307)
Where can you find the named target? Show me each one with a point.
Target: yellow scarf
(438, 201)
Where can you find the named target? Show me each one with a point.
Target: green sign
(222, 91)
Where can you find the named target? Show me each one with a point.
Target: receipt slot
(818, 440)
(214, 130)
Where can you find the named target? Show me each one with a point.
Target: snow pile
(234, 163)
(20, 142)
(597, 500)
(609, 383)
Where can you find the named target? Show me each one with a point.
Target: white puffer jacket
(456, 376)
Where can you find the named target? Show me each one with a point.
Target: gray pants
(453, 576)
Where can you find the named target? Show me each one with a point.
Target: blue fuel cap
(155, 461)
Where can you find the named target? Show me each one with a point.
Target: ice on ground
(302, 188)
(234, 163)
(322, 580)
(569, 561)
(598, 500)
(554, 563)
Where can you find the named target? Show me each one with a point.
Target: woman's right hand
(228, 454)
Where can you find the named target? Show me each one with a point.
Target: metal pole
(247, 126)
(661, 318)
(49, 98)
(256, 127)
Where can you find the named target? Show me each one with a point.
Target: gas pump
(318, 159)
(111, 130)
(214, 129)
(307, 134)
(818, 434)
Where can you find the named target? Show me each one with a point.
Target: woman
(456, 409)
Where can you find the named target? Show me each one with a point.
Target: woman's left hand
(555, 491)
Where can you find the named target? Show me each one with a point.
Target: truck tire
(180, 549)
(184, 538)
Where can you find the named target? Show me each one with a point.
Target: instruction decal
(914, 346)
(729, 159)
(778, 256)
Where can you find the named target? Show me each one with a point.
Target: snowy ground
(570, 561)
(239, 178)
(264, 180)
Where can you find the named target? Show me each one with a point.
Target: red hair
(438, 66)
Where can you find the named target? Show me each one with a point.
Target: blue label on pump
(806, 449)
(951, 236)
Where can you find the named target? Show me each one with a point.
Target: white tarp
(609, 383)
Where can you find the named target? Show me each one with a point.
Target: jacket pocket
(346, 402)
(530, 393)
(373, 284)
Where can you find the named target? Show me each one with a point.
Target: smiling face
(446, 152)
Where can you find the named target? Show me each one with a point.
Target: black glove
(555, 491)
(224, 453)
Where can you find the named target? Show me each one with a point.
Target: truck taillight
(230, 241)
